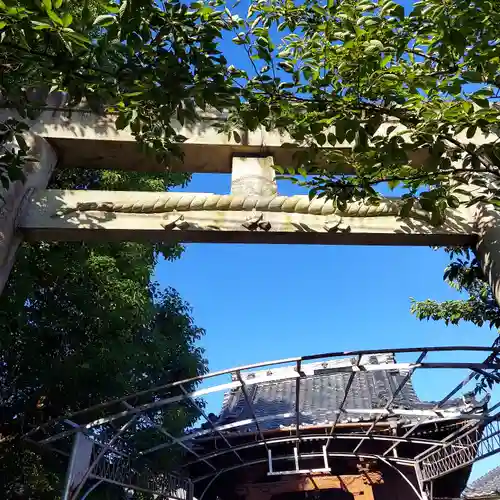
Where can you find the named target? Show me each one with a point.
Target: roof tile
(321, 395)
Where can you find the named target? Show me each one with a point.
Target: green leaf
(374, 46)
(393, 184)
(76, 37)
(67, 19)
(340, 130)
(386, 60)
(391, 77)
(47, 4)
(110, 6)
(374, 123)
(104, 20)
(320, 139)
(399, 11)
(472, 76)
(123, 120)
(471, 132)
(286, 66)
(319, 10)
(37, 25)
(54, 17)
(263, 111)
(123, 7)
(482, 102)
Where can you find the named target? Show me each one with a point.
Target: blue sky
(265, 302)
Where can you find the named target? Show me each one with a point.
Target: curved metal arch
(157, 398)
(433, 412)
(314, 437)
(165, 401)
(386, 460)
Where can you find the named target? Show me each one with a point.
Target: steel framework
(469, 446)
(475, 429)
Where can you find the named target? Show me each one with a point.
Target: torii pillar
(37, 175)
(487, 220)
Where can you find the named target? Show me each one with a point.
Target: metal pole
(91, 489)
(72, 461)
(391, 401)
(250, 407)
(102, 453)
(207, 419)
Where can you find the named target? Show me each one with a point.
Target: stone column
(253, 176)
(17, 196)
(487, 219)
(486, 222)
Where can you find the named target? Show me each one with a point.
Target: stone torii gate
(252, 213)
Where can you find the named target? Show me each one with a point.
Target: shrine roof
(487, 486)
(322, 393)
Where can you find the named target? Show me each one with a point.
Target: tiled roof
(321, 394)
(486, 486)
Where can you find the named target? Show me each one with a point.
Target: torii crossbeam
(252, 213)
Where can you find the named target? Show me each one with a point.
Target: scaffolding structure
(93, 439)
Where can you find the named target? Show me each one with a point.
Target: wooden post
(17, 197)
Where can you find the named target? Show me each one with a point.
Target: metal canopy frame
(475, 429)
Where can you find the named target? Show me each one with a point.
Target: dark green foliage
(81, 324)
(147, 61)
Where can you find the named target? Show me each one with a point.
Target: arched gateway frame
(421, 444)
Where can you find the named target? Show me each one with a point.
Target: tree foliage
(479, 307)
(463, 274)
(409, 90)
(145, 60)
(82, 324)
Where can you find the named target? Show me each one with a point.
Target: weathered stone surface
(217, 225)
(17, 198)
(253, 176)
(487, 221)
(83, 139)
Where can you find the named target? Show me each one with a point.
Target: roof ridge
(366, 359)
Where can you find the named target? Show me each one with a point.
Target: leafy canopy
(409, 90)
(82, 324)
(145, 60)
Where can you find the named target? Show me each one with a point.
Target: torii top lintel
(83, 139)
